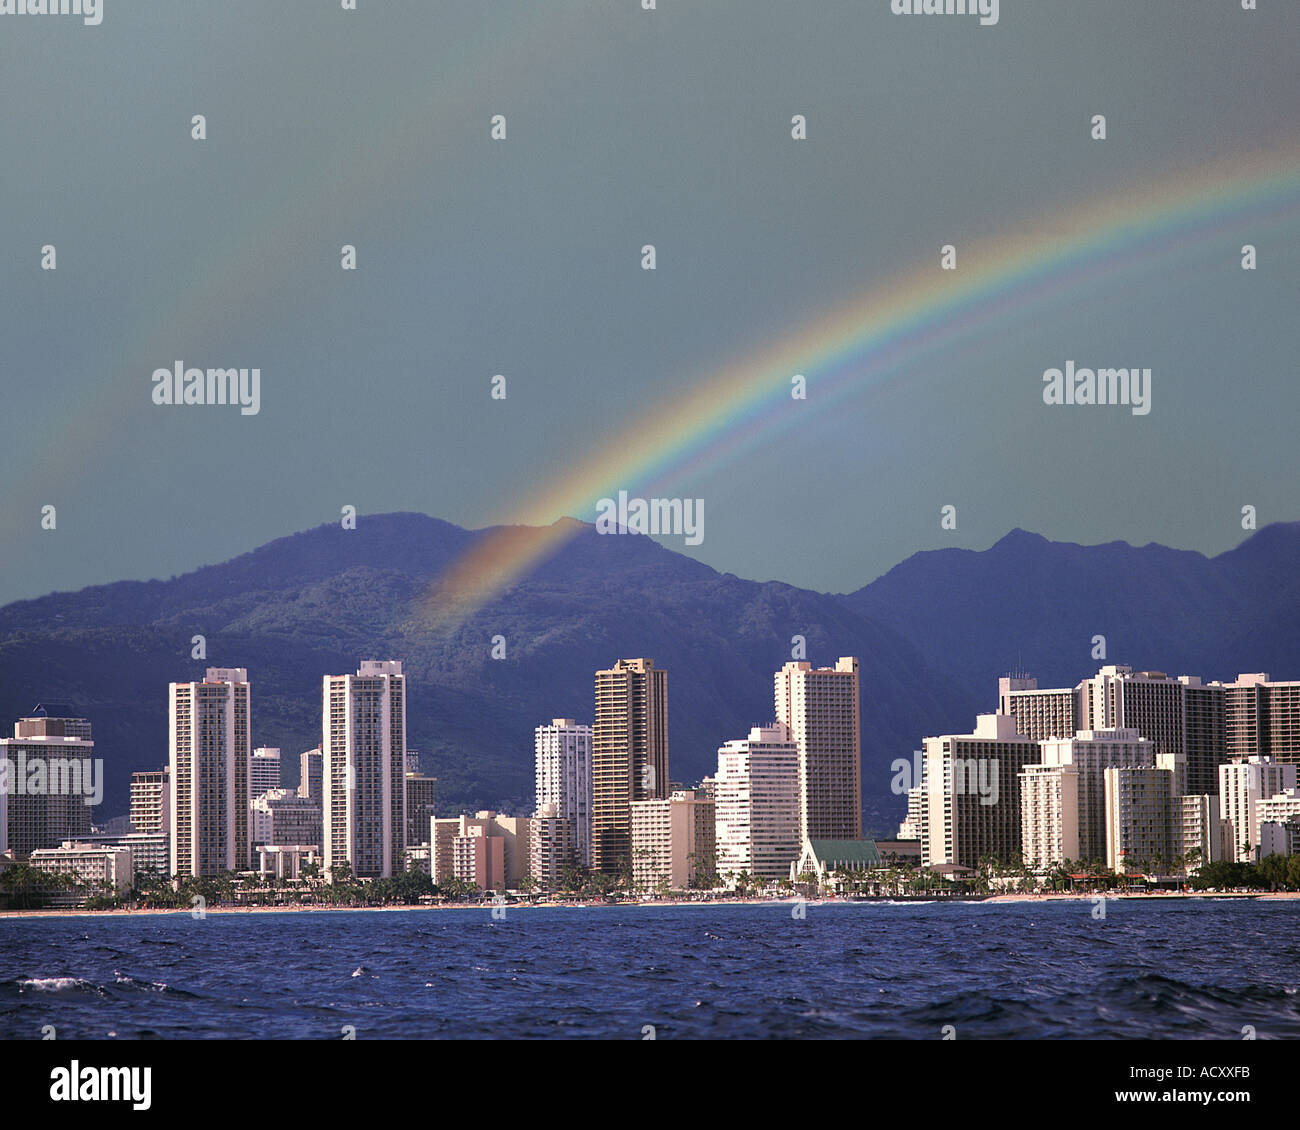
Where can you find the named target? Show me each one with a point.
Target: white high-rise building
(819, 707)
(1092, 752)
(1243, 783)
(756, 797)
(363, 769)
(562, 754)
(263, 771)
(210, 740)
(1049, 814)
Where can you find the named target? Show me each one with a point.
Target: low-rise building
(673, 840)
(95, 865)
(822, 858)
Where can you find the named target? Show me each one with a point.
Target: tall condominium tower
(210, 741)
(629, 755)
(49, 763)
(563, 777)
(819, 706)
(363, 769)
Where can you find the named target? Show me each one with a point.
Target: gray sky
(522, 257)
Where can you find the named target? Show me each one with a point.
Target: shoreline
(1163, 896)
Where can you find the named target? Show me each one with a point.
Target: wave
(59, 985)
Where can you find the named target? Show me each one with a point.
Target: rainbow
(881, 333)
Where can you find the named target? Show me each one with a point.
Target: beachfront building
(823, 858)
(1092, 752)
(363, 769)
(1140, 834)
(673, 840)
(1049, 814)
(49, 769)
(820, 709)
(478, 857)
(629, 755)
(972, 793)
(105, 869)
(514, 836)
(562, 760)
(552, 845)
(756, 797)
(1199, 829)
(210, 741)
(1243, 783)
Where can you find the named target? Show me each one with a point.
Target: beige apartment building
(672, 840)
(820, 708)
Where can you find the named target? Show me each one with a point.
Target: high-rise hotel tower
(562, 753)
(363, 769)
(819, 706)
(629, 755)
(210, 741)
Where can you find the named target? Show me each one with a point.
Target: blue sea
(1148, 970)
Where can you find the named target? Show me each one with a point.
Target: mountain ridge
(932, 635)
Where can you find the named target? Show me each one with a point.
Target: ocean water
(1188, 969)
